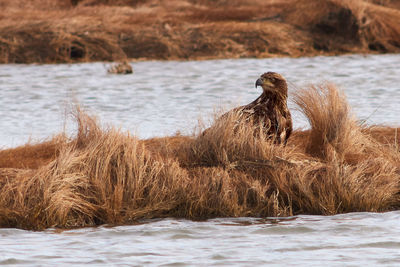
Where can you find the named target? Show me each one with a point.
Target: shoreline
(139, 60)
(91, 31)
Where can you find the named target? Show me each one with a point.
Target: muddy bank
(104, 176)
(105, 30)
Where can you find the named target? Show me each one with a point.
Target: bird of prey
(121, 68)
(270, 109)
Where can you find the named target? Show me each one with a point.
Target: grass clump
(104, 176)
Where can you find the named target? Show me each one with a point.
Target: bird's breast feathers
(248, 111)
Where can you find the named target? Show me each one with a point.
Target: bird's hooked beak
(259, 82)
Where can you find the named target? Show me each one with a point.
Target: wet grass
(105, 176)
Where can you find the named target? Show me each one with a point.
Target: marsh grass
(333, 131)
(47, 31)
(105, 176)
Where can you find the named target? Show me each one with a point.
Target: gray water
(357, 239)
(161, 98)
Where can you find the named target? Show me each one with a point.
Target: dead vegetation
(104, 176)
(112, 30)
(31, 156)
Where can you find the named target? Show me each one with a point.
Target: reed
(105, 176)
(333, 131)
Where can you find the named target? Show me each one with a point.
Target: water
(357, 239)
(164, 97)
(161, 98)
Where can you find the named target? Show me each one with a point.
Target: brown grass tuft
(31, 156)
(227, 143)
(333, 131)
(104, 176)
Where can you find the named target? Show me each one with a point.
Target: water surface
(356, 239)
(161, 98)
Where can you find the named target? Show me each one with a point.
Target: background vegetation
(49, 31)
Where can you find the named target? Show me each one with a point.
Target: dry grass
(89, 30)
(31, 156)
(333, 131)
(104, 176)
(344, 25)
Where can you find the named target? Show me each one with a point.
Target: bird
(270, 109)
(121, 68)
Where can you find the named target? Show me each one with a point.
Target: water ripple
(163, 97)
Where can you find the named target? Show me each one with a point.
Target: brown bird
(270, 109)
(121, 68)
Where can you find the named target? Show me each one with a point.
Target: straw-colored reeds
(113, 30)
(105, 176)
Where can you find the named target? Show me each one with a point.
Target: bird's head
(272, 82)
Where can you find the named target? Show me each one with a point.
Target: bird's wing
(288, 125)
